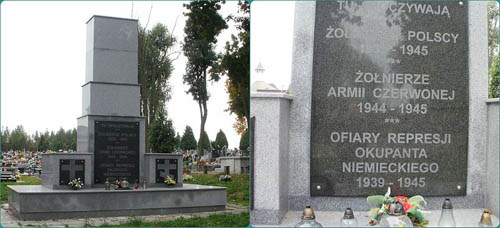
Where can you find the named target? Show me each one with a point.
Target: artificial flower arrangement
(76, 184)
(187, 178)
(412, 206)
(170, 181)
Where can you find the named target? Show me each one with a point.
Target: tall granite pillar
(111, 127)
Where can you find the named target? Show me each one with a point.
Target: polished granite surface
(463, 218)
(41, 189)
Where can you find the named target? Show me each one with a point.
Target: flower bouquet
(170, 181)
(76, 184)
(187, 178)
(412, 206)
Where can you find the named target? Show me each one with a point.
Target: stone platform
(36, 202)
(463, 218)
(10, 220)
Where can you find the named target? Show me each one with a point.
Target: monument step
(35, 202)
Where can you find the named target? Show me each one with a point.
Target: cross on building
(164, 168)
(71, 169)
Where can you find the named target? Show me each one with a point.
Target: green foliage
(188, 141)
(375, 200)
(235, 63)
(417, 202)
(5, 138)
(161, 138)
(44, 142)
(203, 25)
(19, 140)
(206, 141)
(493, 80)
(222, 220)
(220, 141)
(237, 189)
(493, 22)
(154, 70)
(177, 141)
(244, 141)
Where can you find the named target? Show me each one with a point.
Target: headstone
(70, 169)
(116, 151)
(165, 168)
(390, 98)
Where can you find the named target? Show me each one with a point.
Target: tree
(18, 139)
(57, 140)
(188, 141)
(493, 49)
(206, 141)
(161, 138)
(73, 139)
(235, 63)
(5, 139)
(220, 141)
(177, 141)
(44, 142)
(494, 75)
(154, 70)
(203, 25)
(244, 141)
(36, 140)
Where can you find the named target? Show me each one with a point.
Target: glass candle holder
(396, 217)
(447, 219)
(348, 220)
(308, 219)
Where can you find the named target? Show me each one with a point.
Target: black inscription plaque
(70, 169)
(116, 151)
(164, 168)
(390, 101)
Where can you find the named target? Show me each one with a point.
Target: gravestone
(70, 169)
(165, 168)
(116, 151)
(390, 98)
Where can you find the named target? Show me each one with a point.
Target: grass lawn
(28, 180)
(238, 191)
(230, 220)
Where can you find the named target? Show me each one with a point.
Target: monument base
(36, 202)
(463, 218)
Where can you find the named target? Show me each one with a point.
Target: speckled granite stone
(478, 93)
(271, 112)
(300, 89)
(299, 163)
(463, 218)
(300, 122)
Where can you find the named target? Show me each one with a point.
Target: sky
(271, 41)
(43, 64)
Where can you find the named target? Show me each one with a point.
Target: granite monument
(111, 146)
(383, 94)
(390, 98)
